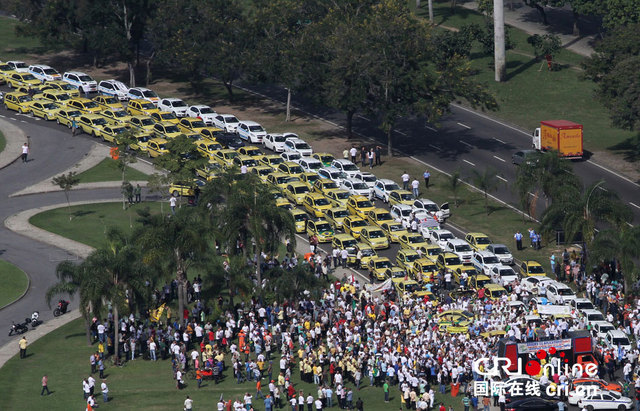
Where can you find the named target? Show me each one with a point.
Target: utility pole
(498, 37)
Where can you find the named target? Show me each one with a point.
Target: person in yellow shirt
(23, 347)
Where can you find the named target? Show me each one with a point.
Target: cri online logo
(533, 367)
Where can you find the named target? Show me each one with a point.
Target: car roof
(172, 99)
(497, 245)
(385, 181)
(617, 333)
(250, 123)
(531, 262)
(140, 88)
(484, 253)
(294, 139)
(342, 161)
(425, 201)
(76, 73)
(402, 206)
(457, 241)
(40, 66)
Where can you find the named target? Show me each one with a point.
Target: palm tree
(622, 244)
(486, 181)
(454, 185)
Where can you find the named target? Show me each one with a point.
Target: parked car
(502, 252)
(173, 105)
(441, 213)
(114, 88)
(251, 131)
(44, 73)
(346, 166)
(227, 122)
(142, 93)
(79, 79)
(298, 145)
(484, 261)
(459, 247)
(204, 113)
(383, 187)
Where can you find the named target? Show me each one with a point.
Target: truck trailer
(562, 136)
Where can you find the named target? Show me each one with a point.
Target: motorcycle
(61, 308)
(19, 328)
(34, 320)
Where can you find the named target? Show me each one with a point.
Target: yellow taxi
(284, 203)
(395, 272)
(325, 158)
(166, 130)
(210, 132)
(139, 107)
(209, 171)
(290, 168)
(295, 191)
(353, 225)
(157, 147)
(367, 253)
(455, 318)
(271, 160)
(65, 116)
(241, 160)
(345, 242)
(316, 204)
(225, 157)
(336, 216)
(423, 270)
(477, 282)
(374, 236)
(379, 216)
(141, 123)
(405, 257)
(393, 231)
(412, 240)
(44, 109)
(400, 197)
(449, 261)
(359, 206)
(338, 197)
(299, 219)
(309, 179)
(279, 180)
(189, 124)
(530, 268)
(19, 102)
(37, 93)
(165, 117)
(185, 189)
(324, 185)
(4, 69)
(91, 124)
(56, 96)
(378, 265)
(140, 141)
(477, 241)
(207, 148)
(85, 105)
(251, 151)
(469, 270)
(494, 291)
(110, 133)
(63, 86)
(15, 80)
(430, 250)
(321, 229)
(411, 288)
(108, 102)
(262, 172)
(116, 116)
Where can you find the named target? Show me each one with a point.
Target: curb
(82, 186)
(26, 290)
(13, 135)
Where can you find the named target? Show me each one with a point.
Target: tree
(66, 182)
(622, 244)
(454, 185)
(291, 284)
(125, 158)
(487, 182)
(545, 46)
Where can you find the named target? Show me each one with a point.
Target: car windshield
(85, 78)
(358, 223)
(498, 293)
(294, 156)
(340, 213)
(349, 167)
(565, 291)
(446, 236)
(73, 113)
(256, 128)
(391, 187)
(91, 104)
(384, 216)
(147, 122)
(148, 106)
(536, 269)
(275, 160)
(178, 103)
(367, 252)
(491, 260)
(119, 130)
(500, 250)
(249, 162)
(23, 99)
(5, 67)
(312, 178)
(263, 171)
(49, 71)
(164, 116)
(415, 239)
(322, 227)
(197, 124)
(322, 202)
(462, 248)
(359, 186)
(383, 264)
(301, 189)
(99, 121)
(206, 110)
(329, 185)
(369, 178)
(364, 204)
(342, 195)
(50, 106)
(452, 261)
(230, 120)
(300, 217)
(405, 212)
(507, 273)
(376, 234)
(349, 243)
(279, 139)
(431, 207)
(143, 139)
(62, 97)
(605, 328)
(66, 86)
(434, 251)
(398, 273)
(110, 100)
(162, 146)
(149, 94)
(411, 287)
(295, 170)
(595, 317)
(483, 240)
(281, 180)
(235, 141)
(119, 113)
(586, 305)
(171, 129)
(394, 227)
(314, 166)
(28, 77)
(252, 152)
(233, 154)
(621, 341)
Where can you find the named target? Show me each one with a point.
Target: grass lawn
(16, 47)
(14, 282)
(90, 222)
(3, 142)
(63, 356)
(108, 170)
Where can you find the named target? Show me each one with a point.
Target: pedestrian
(91, 403)
(344, 255)
(138, 193)
(101, 367)
(92, 361)
(363, 155)
(385, 388)
(415, 185)
(188, 404)
(359, 405)
(105, 391)
(426, 175)
(552, 261)
(353, 152)
(45, 385)
(371, 157)
(466, 402)
(25, 152)
(172, 204)
(518, 237)
(378, 153)
(268, 403)
(74, 127)
(405, 181)
(486, 403)
(23, 347)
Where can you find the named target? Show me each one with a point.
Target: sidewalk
(15, 138)
(560, 21)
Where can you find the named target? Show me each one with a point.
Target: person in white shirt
(105, 391)
(243, 169)
(188, 404)
(172, 204)
(415, 185)
(405, 181)
(152, 350)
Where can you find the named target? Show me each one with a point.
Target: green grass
(63, 355)
(91, 222)
(108, 170)
(3, 142)
(14, 47)
(14, 282)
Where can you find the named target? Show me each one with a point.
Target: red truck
(563, 136)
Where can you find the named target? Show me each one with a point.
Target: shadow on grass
(74, 335)
(82, 213)
(629, 148)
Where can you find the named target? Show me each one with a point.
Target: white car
(502, 252)
(591, 316)
(142, 93)
(346, 167)
(291, 156)
(459, 247)
(310, 164)
(332, 174)
(367, 178)
(605, 400)
(615, 338)
(298, 145)
(356, 187)
(440, 237)
(19, 66)
(503, 275)
(440, 213)
(599, 329)
(44, 73)
(382, 187)
(559, 293)
(114, 88)
(79, 79)
(532, 284)
(484, 261)
(227, 122)
(274, 142)
(204, 113)
(582, 304)
(173, 105)
(251, 131)
(401, 211)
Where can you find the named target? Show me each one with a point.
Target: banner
(535, 346)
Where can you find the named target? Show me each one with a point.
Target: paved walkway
(560, 21)
(15, 138)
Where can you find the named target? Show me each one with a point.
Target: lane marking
(602, 188)
(435, 147)
(14, 119)
(614, 173)
(466, 144)
(503, 179)
(633, 204)
(362, 118)
(532, 195)
(469, 162)
(630, 225)
(401, 132)
(465, 126)
(432, 129)
(498, 158)
(497, 139)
